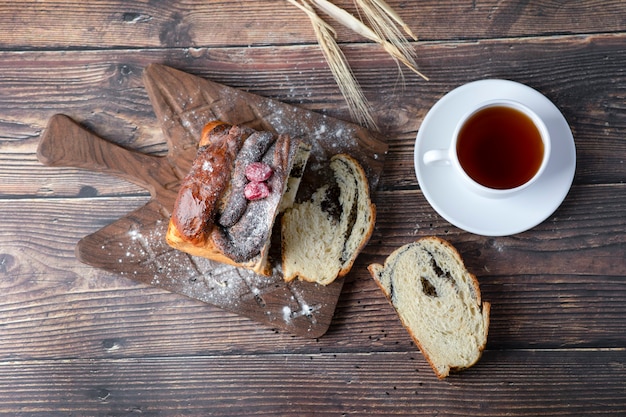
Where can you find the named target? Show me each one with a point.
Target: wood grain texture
(81, 341)
(103, 92)
(197, 23)
(538, 383)
(66, 144)
(550, 303)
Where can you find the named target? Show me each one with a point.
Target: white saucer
(477, 214)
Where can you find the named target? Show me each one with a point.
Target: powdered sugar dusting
(136, 247)
(326, 136)
(143, 254)
(207, 166)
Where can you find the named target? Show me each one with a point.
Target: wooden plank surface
(104, 92)
(574, 383)
(81, 341)
(68, 24)
(553, 301)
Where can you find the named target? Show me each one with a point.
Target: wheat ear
(384, 7)
(358, 105)
(356, 25)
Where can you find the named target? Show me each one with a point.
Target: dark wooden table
(79, 341)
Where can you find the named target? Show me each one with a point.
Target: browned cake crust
(212, 217)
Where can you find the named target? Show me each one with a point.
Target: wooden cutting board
(134, 246)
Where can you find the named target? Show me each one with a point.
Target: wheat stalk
(377, 13)
(350, 89)
(387, 10)
(397, 48)
(382, 29)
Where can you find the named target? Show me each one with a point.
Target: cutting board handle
(65, 143)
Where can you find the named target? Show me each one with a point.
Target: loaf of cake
(228, 202)
(438, 301)
(322, 237)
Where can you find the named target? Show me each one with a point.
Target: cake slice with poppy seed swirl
(438, 302)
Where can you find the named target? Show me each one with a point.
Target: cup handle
(437, 157)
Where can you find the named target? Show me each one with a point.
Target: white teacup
(499, 148)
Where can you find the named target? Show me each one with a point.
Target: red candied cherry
(256, 190)
(258, 172)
